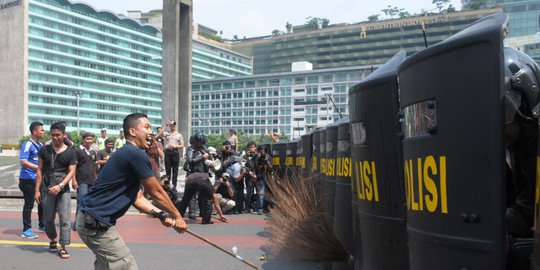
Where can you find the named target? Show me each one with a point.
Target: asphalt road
(154, 246)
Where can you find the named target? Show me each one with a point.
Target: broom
(299, 227)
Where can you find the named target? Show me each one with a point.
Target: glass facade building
(208, 60)
(112, 63)
(211, 61)
(345, 45)
(291, 103)
(524, 16)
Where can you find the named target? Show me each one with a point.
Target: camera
(167, 183)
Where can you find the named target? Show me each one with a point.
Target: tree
(476, 4)
(451, 8)
(404, 14)
(373, 18)
(277, 32)
(317, 23)
(235, 37)
(312, 22)
(288, 26)
(390, 11)
(440, 4)
(324, 22)
(395, 12)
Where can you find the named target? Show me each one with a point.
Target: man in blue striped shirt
(27, 179)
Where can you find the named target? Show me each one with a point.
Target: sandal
(53, 247)
(62, 253)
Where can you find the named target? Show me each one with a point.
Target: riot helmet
(198, 139)
(522, 78)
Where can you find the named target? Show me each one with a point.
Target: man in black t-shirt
(56, 167)
(86, 168)
(117, 187)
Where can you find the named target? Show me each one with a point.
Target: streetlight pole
(78, 93)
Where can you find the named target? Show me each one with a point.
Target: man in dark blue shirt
(115, 190)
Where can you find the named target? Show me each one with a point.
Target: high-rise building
(288, 102)
(359, 44)
(524, 15)
(209, 59)
(56, 53)
(64, 60)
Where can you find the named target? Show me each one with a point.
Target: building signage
(404, 23)
(10, 4)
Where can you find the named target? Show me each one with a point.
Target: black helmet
(522, 78)
(198, 137)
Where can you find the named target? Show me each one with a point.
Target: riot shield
(535, 256)
(377, 168)
(319, 179)
(331, 142)
(315, 155)
(299, 159)
(453, 149)
(279, 150)
(307, 151)
(343, 215)
(290, 156)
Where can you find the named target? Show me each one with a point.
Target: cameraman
(232, 164)
(262, 168)
(250, 177)
(166, 185)
(224, 192)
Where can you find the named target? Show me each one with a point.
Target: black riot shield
(315, 154)
(535, 256)
(299, 157)
(331, 168)
(319, 179)
(290, 156)
(343, 215)
(451, 98)
(279, 150)
(305, 156)
(377, 168)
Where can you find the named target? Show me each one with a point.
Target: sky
(252, 18)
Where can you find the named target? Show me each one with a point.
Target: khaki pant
(110, 250)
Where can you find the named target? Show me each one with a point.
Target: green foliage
(277, 32)
(395, 12)
(317, 23)
(373, 18)
(440, 4)
(216, 140)
(212, 36)
(476, 4)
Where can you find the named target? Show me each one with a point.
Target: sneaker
(42, 229)
(260, 212)
(29, 234)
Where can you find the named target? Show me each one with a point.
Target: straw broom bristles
(299, 227)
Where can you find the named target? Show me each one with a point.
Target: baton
(161, 215)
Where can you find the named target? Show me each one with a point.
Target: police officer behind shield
(521, 131)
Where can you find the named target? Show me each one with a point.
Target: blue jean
(60, 204)
(81, 190)
(261, 184)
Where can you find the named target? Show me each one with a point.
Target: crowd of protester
(221, 181)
